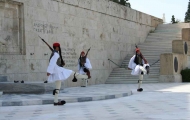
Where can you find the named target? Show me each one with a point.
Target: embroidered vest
(58, 60)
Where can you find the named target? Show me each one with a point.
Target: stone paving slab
(70, 95)
(166, 101)
(91, 93)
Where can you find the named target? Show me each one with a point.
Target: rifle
(87, 52)
(62, 62)
(46, 43)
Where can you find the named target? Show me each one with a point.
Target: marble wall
(111, 30)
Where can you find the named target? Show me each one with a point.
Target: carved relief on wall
(10, 28)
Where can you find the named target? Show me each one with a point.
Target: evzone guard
(84, 64)
(56, 73)
(139, 66)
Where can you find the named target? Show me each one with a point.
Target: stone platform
(74, 94)
(27, 87)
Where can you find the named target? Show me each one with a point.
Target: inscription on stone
(45, 28)
(70, 57)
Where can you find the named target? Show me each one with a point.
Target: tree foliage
(123, 2)
(174, 21)
(187, 14)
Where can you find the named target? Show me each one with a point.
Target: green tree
(187, 14)
(123, 2)
(173, 19)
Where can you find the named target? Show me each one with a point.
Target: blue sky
(156, 8)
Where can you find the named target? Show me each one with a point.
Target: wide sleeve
(52, 63)
(88, 64)
(131, 63)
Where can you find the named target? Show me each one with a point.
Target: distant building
(164, 20)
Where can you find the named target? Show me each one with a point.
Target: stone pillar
(186, 34)
(171, 65)
(181, 47)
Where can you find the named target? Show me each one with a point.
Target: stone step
(150, 57)
(167, 31)
(173, 25)
(125, 64)
(130, 81)
(134, 77)
(124, 70)
(164, 35)
(156, 54)
(170, 26)
(154, 49)
(151, 41)
(156, 57)
(129, 72)
(174, 30)
(128, 75)
(150, 61)
(158, 42)
(157, 46)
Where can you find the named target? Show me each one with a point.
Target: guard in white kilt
(56, 73)
(139, 66)
(84, 64)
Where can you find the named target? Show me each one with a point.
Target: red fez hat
(137, 49)
(82, 52)
(56, 45)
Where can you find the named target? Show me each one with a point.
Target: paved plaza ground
(162, 101)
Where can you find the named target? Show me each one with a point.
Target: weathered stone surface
(181, 47)
(172, 64)
(186, 34)
(170, 78)
(108, 28)
(26, 88)
(3, 78)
